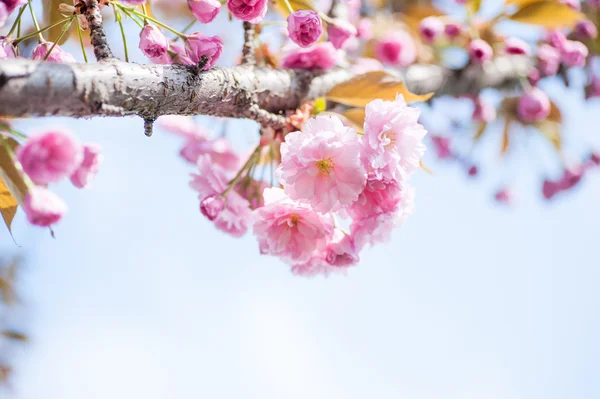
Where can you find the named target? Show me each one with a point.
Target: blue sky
(139, 295)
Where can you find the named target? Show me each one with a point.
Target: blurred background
(139, 295)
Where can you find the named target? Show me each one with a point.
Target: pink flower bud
(533, 76)
(548, 59)
(11, 5)
(430, 29)
(442, 147)
(48, 157)
(92, 159)
(6, 48)
(473, 171)
(533, 105)
(453, 29)
(57, 54)
(396, 48)
(180, 56)
(248, 10)
(341, 251)
(595, 158)
(365, 29)
(204, 10)
(570, 178)
(484, 111)
(153, 43)
(322, 55)
(304, 27)
(43, 207)
(585, 30)
(198, 44)
(556, 39)
(549, 189)
(480, 51)
(212, 206)
(516, 46)
(3, 14)
(339, 32)
(503, 196)
(574, 53)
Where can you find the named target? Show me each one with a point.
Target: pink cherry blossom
(219, 151)
(556, 39)
(516, 46)
(574, 53)
(85, 172)
(252, 11)
(442, 147)
(198, 45)
(153, 43)
(304, 27)
(339, 31)
(321, 165)
(480, 51)
(180, 55)
(365, 29)
(11, 5)
(453, 29)
(317, 265)
(484, 111)
(377, 229)
(393, 138)
(504, 196)
(50, 156)
(322, 55)
(212, 181)
(379, 196)
(252, 190)
(548, 59)
(585, 30)
(396, 48)
(204, 10)
(340, 251)
(3, 14)
(533, 105)
(431, 28)
(57, 54)
(289, 229)
(43, 207)
(6, 48)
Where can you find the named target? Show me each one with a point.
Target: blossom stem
(81, 41)
(39, 31)
(120, 22)
(8, 129)
(289, 6)
(133, 18)
(157, 22)
(17, 21)
(35, 22)
(187, 27)
(62, 33)
(249, 163)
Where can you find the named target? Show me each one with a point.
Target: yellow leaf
(356, 116)
(51, 15)
(13, 180)
(548, 14)
(520, 3)
(474, 6)
(555, 115)
(8, 204)
(296, 5)
(551, 131)
(505, 138)
(362, 89)
(480, 131)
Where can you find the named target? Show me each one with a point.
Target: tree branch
(31, 88)
(248, 56)
(97, 35)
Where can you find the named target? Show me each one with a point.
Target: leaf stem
(289, 6)
(249, 163)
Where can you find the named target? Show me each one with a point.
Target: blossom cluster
(49, 157)
(338, 190)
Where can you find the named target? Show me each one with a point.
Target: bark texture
(115, 88)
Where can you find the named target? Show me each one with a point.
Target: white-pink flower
(377, 228)
(321, 165)
(317, 265)
(212, 180)
(341, 251)
(289, 229)
(393, 138)
(379, 196)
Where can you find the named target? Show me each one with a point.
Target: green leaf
(549, 14)
(362, 89)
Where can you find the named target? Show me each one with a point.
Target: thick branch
(30, 88)
(97, 34)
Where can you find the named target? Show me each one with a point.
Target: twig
(248, 56)
(98, 36)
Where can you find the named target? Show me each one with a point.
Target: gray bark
(115, 88)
